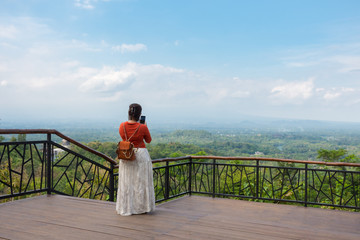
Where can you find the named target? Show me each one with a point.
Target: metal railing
(30, 167)
(333, 184)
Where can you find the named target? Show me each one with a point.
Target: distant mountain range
(260, 124)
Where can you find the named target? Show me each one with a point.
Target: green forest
(289, 145)
(300, 145)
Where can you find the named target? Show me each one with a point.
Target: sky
(183, 61)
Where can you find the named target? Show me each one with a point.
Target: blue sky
(184, 60)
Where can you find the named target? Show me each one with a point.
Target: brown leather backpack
(125, 149)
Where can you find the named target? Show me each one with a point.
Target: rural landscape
(301, 140)
(252, 108)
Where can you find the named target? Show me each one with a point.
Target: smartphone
(142, 119)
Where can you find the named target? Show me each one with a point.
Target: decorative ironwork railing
(266, 179)
(31, 167)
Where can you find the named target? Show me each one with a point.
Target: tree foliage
(290, 145)
(338, 155)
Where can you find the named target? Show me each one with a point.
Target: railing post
(167, 181)
(49, 162)
(111, 182)
(213, 193)
(257, 178)
(190, 175)
(306, 184)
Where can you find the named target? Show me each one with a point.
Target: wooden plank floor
(59, 217)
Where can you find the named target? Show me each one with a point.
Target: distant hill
(83, 130)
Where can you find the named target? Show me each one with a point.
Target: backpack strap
(128, 139)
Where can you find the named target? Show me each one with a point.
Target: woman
(135, 189)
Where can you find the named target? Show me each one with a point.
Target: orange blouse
(139, 137)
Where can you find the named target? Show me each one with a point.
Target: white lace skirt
(135, 193)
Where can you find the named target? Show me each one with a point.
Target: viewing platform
(194, 217)
(197, 196)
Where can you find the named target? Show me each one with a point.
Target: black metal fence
(32, 167)
(265, 179)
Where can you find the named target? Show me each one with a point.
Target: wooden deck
(59, 217)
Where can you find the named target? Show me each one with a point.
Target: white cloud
(86, 4)
(293, 90)
(158, 69)
(331, 95)
(335, 93)
(8, 31)
(123, 48)
(3, 83)
(109, 80)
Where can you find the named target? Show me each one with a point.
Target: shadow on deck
(194, 217)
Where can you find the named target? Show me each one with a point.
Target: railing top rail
(171, 159)
(339, 164)
(53, 131)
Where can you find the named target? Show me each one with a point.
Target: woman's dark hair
(134, 111)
